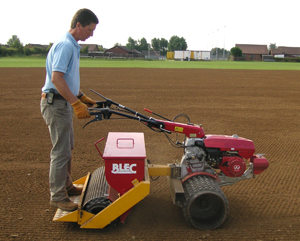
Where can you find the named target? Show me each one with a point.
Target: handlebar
(109, 102)
(104, 111)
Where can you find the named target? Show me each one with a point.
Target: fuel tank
(244, 147)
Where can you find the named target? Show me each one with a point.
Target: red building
(122, 52)
(286, 52)
(252, 51)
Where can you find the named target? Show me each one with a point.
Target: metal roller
(96, 197)
(205, 206)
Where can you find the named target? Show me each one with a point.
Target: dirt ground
(263, 106)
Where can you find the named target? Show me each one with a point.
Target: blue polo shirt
(64, 57)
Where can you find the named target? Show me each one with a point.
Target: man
(61, 95)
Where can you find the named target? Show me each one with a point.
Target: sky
(203, 24)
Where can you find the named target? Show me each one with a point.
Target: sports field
(259, 104)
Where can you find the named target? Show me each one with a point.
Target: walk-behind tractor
(208, 162)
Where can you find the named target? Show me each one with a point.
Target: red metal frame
(192, 131)
(96, 143)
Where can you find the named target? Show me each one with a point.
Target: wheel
(96, 205)
(205, 206)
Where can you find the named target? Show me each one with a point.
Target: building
(36, 46)
(122, 52)
(286, 52)
(252, 51)
(91, 47)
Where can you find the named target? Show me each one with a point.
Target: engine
(233, 166)
(202, 155)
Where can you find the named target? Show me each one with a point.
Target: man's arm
(62, 87)
(60, 84)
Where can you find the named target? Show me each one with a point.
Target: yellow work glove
(88, 101)
(81, 110)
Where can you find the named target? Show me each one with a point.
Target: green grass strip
(101, 63)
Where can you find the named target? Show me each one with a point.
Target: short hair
(84, 17)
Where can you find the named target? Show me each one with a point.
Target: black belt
(55, 96)
(58, 97)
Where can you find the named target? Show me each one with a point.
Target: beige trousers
(59, 119)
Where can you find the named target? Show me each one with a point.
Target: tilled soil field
(263, 106)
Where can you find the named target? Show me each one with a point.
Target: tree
(236, 52)
(85, 50)
(163, 46)
(131, 43)
(100, 47)
(272, 46)
(139, 45)
(49, 47)
(176, 43)
(116, 45)
(160, 45)
(155, 43)
(3, 51)
(142, 45)
(14, 42)
(26, 51)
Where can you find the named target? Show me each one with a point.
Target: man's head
(83, 24)
(84, 17)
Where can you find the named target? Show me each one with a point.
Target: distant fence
(114, 55)
(220, 57)
(121, 56)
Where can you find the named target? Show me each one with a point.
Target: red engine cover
(233, 166)
(244, 147)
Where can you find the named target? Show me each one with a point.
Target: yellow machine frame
(137, 193)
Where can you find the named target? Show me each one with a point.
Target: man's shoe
(75, 191)
(65, 204)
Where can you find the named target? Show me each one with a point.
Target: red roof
(290, 50)
(276, 51)
(253, 49)
(92, 47)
